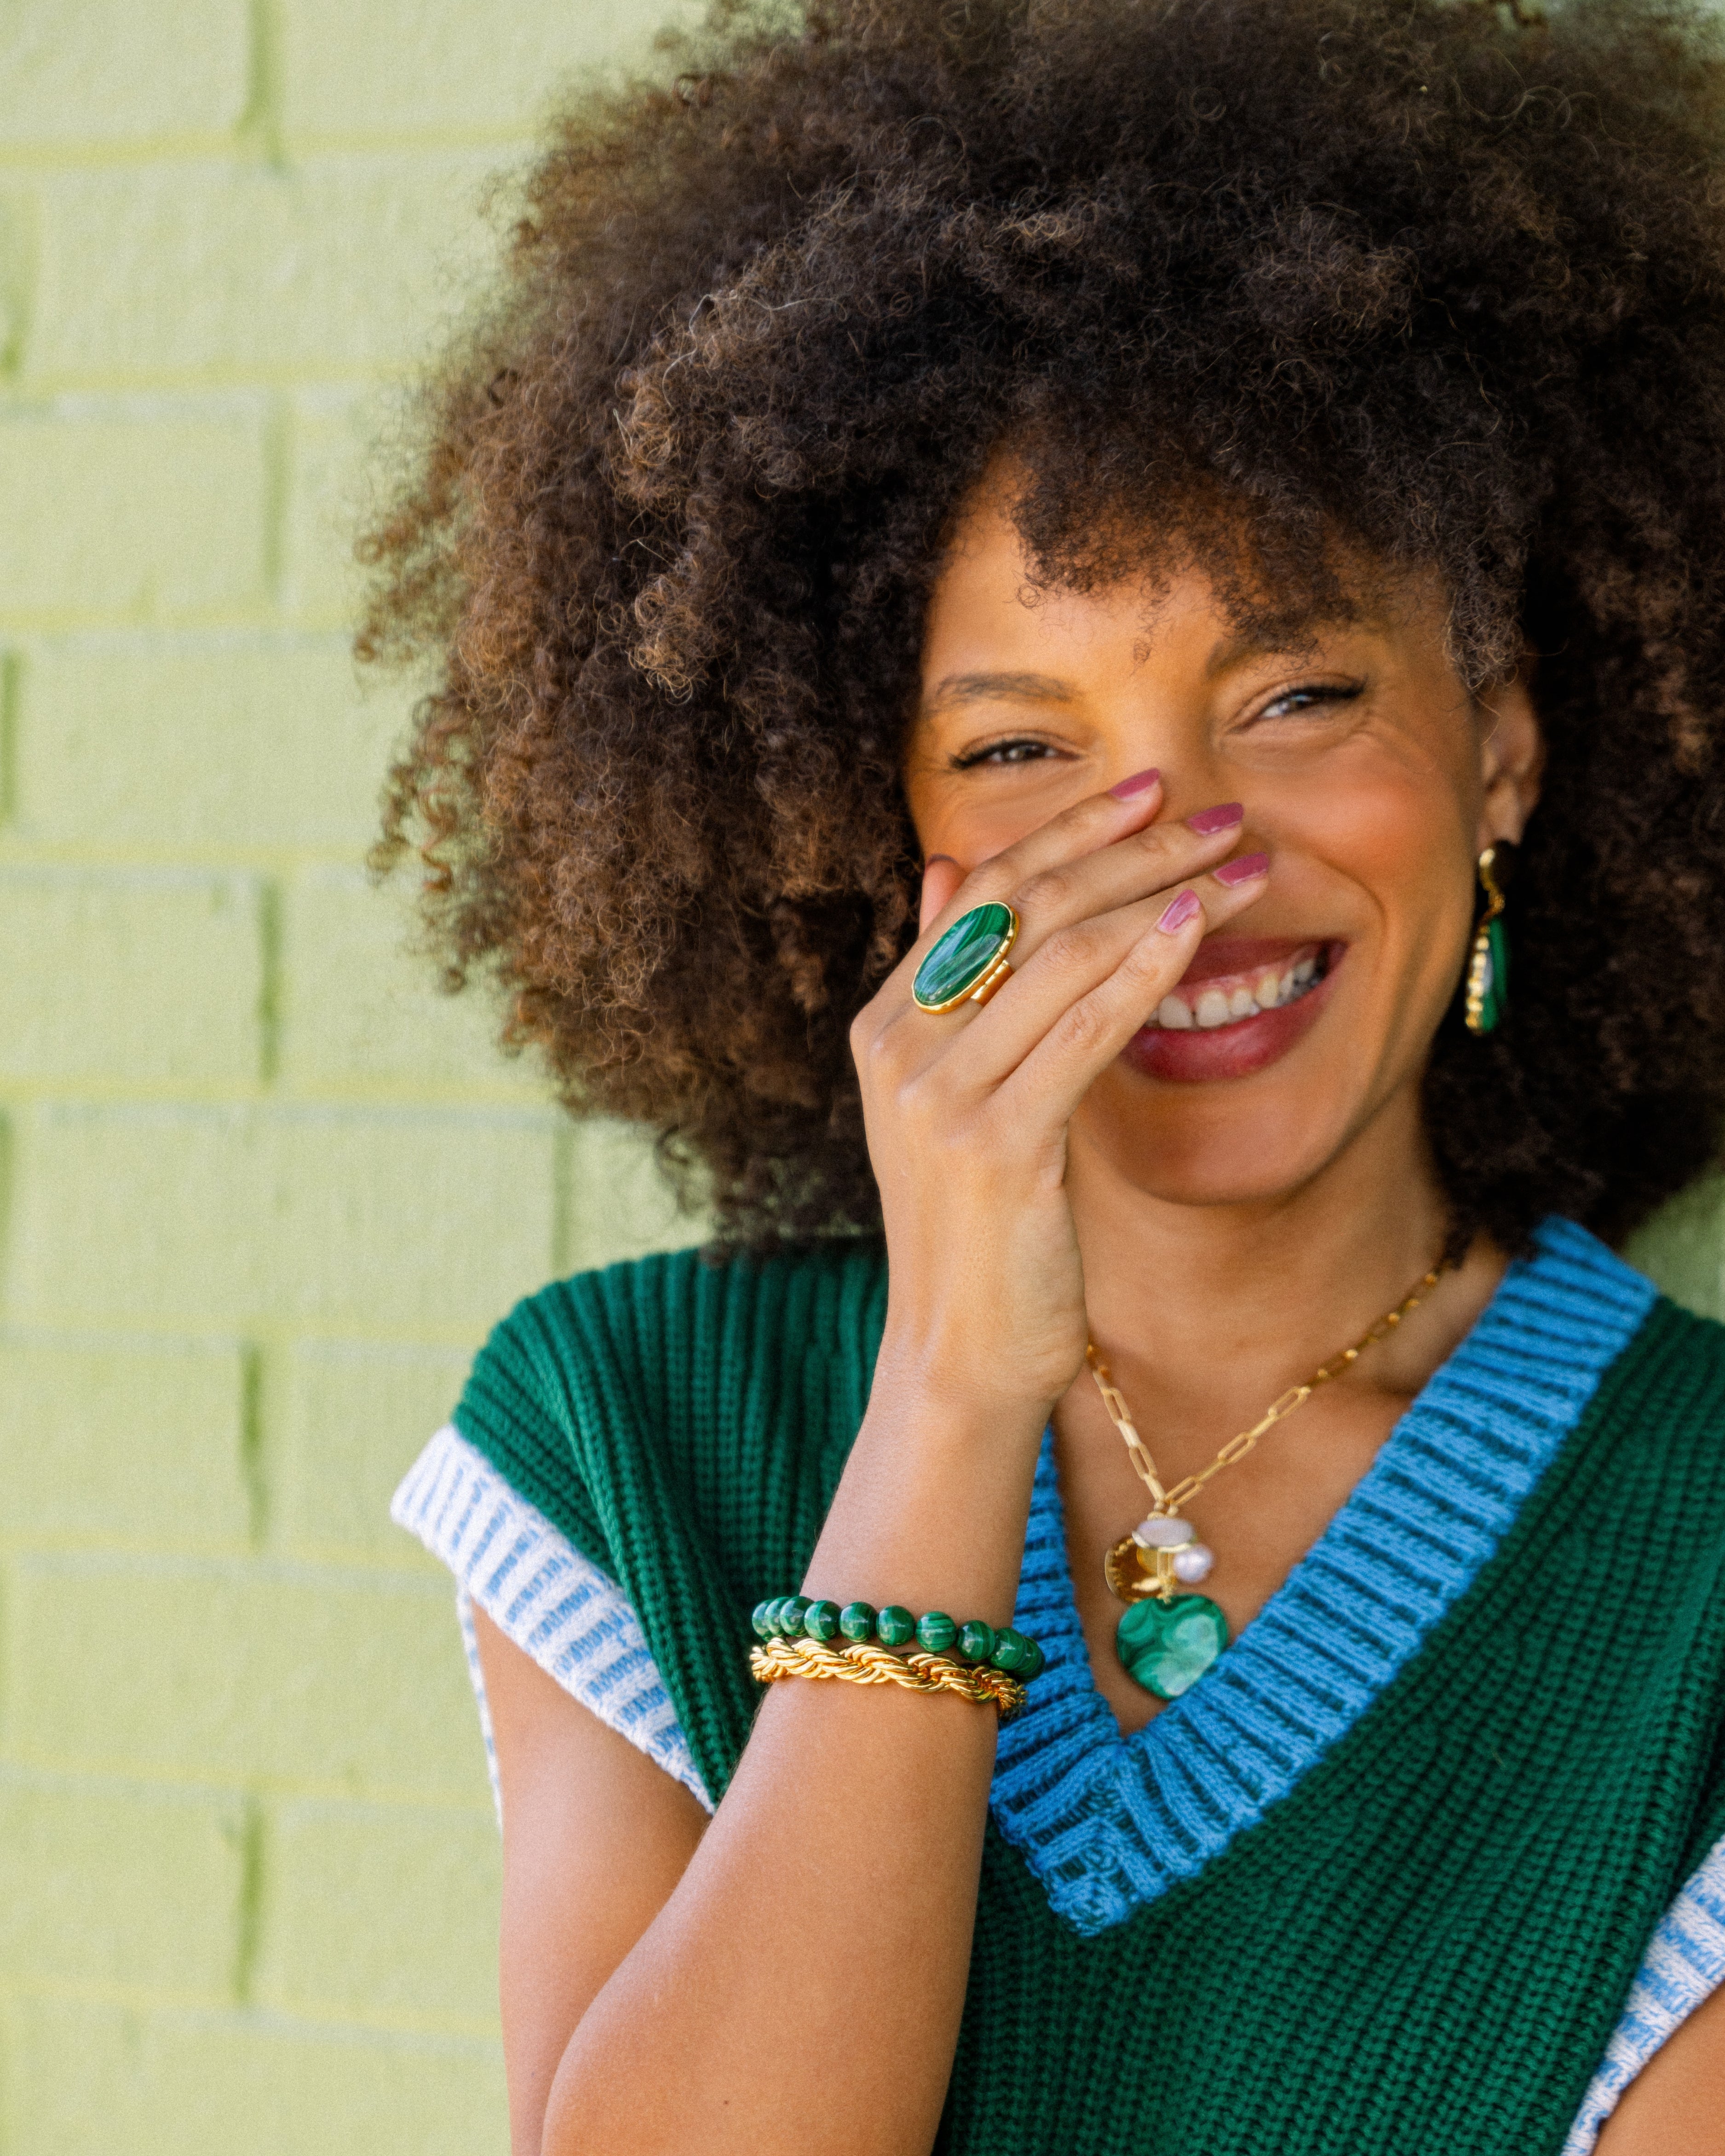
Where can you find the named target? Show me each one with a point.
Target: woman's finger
(1062, 893)
(941, 876)
(1055, 1027)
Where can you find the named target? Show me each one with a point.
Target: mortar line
(248, 1931)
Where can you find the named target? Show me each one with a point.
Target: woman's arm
(595, 1836)
(799, 1987)
(1675, 2105)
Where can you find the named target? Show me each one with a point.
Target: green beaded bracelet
(797, 1616)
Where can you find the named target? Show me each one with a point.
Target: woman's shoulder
(680, 1356)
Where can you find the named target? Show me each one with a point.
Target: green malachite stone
(976, 1640)
(935, 1631)
(1166, 1646)
(1033, 1665)
(959, 960)
(894, 1626)
(820, 1620)
(1011, 1650)
(761, 1621)
(1495, 1001)
(856, 1620)
(791, 1613)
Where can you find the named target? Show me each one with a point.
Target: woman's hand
(968, 1112)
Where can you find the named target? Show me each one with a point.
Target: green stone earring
(1488, 966)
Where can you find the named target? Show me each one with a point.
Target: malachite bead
(935, 1631)
(963, 956)
(760, 1621)
(791, 1613)
(1166, 1646)
(1010, 1648)
(1033, 1665)
(976, 1640)
(820, 1620)
(856, 1620)
(894, 1626)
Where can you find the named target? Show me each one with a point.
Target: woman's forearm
(802, 1988)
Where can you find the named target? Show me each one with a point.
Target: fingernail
(1178, 911)
(1243, 870)
(1141, 782)
(1215, 819)
(933, 858)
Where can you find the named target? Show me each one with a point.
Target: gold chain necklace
(1166, 1641)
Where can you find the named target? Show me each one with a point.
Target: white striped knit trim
(540, 1593)
(1682, 1967)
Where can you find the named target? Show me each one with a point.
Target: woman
(1188, 496)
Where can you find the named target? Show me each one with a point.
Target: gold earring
(1488, 963)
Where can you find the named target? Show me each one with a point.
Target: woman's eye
(1294, 703)
(1003, 752)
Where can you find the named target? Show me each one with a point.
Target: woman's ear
(1511, 758)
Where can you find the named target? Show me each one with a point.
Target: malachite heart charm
(966, 958)
(1166, 1646)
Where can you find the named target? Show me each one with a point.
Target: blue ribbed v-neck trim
(1107, 1822)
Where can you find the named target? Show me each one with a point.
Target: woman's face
(1367, 773)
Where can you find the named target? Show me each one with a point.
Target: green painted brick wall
(261, 1191)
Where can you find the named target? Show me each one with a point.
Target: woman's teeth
(1228, 998)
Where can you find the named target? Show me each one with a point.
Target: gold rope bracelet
(864, 1663)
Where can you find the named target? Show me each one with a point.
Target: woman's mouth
(1243, 1004)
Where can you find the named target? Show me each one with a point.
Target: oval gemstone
(791, 1613)
(963, 955)
(1166, 1646)
(976, 1640)
(894, 1626)
(820, 1620)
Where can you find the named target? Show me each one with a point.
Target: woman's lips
(1237, 969)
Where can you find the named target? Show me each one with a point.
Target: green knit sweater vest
(1422, 1946)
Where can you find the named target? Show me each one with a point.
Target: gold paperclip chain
(1169, 1503)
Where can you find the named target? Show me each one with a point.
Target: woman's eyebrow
(983, 688)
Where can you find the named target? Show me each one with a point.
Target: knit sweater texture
(1381, 1881)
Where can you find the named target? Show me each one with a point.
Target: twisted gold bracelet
(864, 1663)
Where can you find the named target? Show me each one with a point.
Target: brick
(1683, 1247)
(119, 1885)
(359, 1008)
(123, 1443)
(344, 265)
(175, 744)
(333, 470)
(157, 512)
(182, 1219)
(165, 985)
(112, 70)
(356, 1417)
(98, 2079)
(619, 1205)
(419, 1893)
(316, 1679)
(401, 66)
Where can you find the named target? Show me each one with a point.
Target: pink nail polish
(1219, 819)
(1141, 782)
(1178, 911)
(1243, 870)
(933, 858)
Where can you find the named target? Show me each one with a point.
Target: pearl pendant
(1195, 1562)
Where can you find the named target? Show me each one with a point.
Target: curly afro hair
(1442, 279)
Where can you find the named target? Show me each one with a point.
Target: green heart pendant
(1166, 1646)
